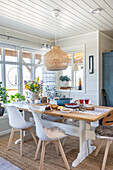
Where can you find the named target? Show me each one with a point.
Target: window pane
(0, 54)
(11, 79)
(38, 58)
(11, 55)
(26, 57)
(68, 72)
(0, 74)
(26, 75)
(38, 72)
(78, 72)
(69, 59)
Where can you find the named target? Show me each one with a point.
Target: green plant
(3, 94)
(64, 78)
(52, 92)
(17, 97)
(27, 93)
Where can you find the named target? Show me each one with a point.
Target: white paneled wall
(20, 38)
(106, 45)
(91, 45)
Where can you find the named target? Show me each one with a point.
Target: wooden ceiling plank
(72, 12)
(74, 18)
(93, 5)
(30, 10)
(12, 16)
(107, 10)
(23, 16)
(79, 14)
(47, 5)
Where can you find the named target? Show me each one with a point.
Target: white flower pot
(64, 83)
(34, 96)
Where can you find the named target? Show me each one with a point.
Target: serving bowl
(62, 100)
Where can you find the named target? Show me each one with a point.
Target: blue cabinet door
(108, 77)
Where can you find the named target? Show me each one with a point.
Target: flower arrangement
(34, 86)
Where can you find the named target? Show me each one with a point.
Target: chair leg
(10, 139)
(98, 147)
(63, 142)
(21, 142)
(63, 155)
(31, 131)
(42, 155)
(106, 154)
(57, 149)
(38, 148)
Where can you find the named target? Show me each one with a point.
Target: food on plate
(76, 101)
(60, 107)
(89, 107)
(72, 104)
(67, 110)
(53, 106)
(47, 108)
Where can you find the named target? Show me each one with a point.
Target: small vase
(1, 110)
(64, 83)
(34, 96)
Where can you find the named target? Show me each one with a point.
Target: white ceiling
(34, 17)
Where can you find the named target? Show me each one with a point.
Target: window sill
(69, 90)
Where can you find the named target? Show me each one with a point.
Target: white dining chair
(18, 123)
(104, 133)
(46, 136)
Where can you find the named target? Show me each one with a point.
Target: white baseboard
(5, 132)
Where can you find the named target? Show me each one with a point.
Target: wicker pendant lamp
(55, 59)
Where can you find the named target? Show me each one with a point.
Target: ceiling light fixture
(55, 59)
(96, 11)
(55, 13)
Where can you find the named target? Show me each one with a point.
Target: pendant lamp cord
(55, 31)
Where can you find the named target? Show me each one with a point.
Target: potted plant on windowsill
(17, 97)
(64, 81)
(3, 98)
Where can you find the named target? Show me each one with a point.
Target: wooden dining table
(84, 131)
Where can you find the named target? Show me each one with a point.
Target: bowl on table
(62, 100)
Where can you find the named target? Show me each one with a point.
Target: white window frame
(18, 63)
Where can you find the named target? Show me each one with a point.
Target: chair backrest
(15, 118)
(39, 128)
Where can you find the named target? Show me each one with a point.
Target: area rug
(6, 165)
(52, 161)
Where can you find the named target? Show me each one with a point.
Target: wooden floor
(52, 160)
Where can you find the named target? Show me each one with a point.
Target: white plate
(64, 110)
(72, 106)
